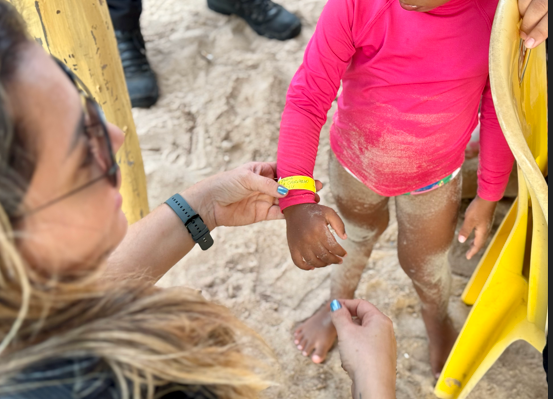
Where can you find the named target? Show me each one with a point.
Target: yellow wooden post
(80, 34)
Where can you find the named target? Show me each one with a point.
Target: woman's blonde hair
(148, 338)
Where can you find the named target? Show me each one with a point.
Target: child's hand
(309, 238)
(479, 217)
(535, 24)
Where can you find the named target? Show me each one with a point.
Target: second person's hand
(243, 196)
(367, 347)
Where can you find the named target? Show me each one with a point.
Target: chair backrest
(519, 86)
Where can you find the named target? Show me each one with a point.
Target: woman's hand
(479, 217)
(246, 195)
(242, 196)
(368, 348)
(535, 21)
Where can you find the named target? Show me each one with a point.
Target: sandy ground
(223, 92)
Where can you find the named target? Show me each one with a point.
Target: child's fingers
(319, 185)
(480, 237)
(336, 223)
(314, 257)
(332, 245)
(539, 34)
(535, 23)
(330, 259)
(298, 260)
(314, 262)
(466, 229)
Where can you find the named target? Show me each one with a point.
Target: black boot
(141, 80)
(265, 17)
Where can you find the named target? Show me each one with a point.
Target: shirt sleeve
(311, 93)
(496, 158)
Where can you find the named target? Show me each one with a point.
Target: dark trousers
(125, 14)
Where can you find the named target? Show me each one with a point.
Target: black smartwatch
(193, 222)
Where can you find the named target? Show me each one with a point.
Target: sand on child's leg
(366, 216)
(426, 226)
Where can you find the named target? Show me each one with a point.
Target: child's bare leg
(426, 230)
(366, 216)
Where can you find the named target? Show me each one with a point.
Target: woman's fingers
(341, 316)
(275, 213)
(265, 185)
(267, 169)
(343, 312)
(362, 309)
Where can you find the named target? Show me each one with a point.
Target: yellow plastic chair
(509, 289)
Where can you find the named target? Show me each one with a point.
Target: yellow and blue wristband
(298, 183)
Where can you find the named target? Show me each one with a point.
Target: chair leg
(498, 319)
(538, 281)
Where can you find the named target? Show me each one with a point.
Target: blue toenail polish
(282, 190)
(335, 305)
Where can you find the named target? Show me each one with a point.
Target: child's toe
(319, 356)
(308, 350)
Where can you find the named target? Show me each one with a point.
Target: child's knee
(363, 233)
(431, 272)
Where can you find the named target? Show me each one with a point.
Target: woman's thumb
(267, 186)
(341, 316)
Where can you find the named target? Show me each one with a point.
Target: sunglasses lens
(99, 139)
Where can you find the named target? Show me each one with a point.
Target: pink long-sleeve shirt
(412, 85)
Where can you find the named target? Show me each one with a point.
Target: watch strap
(193, 222)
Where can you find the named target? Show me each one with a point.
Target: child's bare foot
(317, 335)
(442, 336)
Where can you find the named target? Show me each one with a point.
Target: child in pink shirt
(414, 73)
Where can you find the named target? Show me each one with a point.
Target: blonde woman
(72, 322)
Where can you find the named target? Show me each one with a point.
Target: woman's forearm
(376, 382)
(154, 244)
(374, 390)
